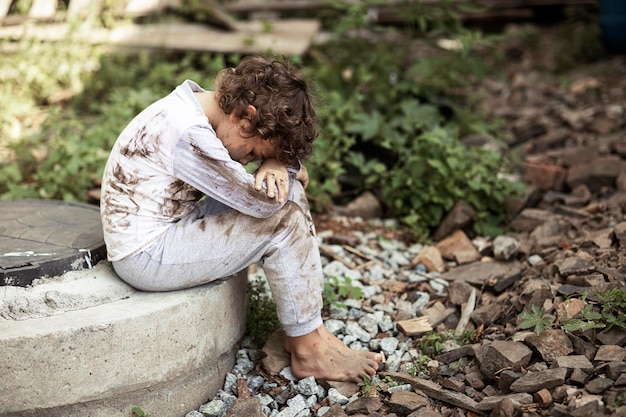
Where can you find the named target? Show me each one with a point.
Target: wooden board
(78, 8)
(288, 37)
(43, 9)
(4, 7)
(247, 6)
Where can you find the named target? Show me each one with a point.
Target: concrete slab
(86, 343)
(47, 238)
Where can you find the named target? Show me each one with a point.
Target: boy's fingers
(271, 183)
(283, 189)
(258, 181)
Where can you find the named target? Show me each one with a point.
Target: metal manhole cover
(47, 238)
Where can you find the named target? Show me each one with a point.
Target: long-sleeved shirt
(162, 163)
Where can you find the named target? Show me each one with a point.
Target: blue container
(613, 24)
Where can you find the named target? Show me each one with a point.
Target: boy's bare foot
(322, 355)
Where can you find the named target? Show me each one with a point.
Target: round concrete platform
(47, 238)
(86, 343)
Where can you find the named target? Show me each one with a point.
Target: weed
(336, 289)
(139, 412)
(614, 307)
(418, 365)
(391, 122)
(535, 319)
(610, 313)
(587, 319)
(262, 319)
(369, 386)
(432, 343)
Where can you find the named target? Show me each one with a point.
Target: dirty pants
(215, 241)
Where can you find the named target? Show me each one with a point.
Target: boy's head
(284, 113)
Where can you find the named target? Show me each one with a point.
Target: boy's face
(242, 148)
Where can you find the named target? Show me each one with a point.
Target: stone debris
(500, 371)
(565, 244)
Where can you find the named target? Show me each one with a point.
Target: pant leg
(213, 243)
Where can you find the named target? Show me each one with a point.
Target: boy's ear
(250, 113)
(251, 110)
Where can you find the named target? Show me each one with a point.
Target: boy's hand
(276, 176)
(303, 176)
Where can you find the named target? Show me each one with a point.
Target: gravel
(358, 323)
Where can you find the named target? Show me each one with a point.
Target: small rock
(599, 385)
(578, 377)
(364, 405)
(573, 362)
(215, 408)
(569, 308)
(535, 381)
(431, 258)
(335, 397)
(307, 386)
(405, 402)
(609, 353)
(572, 265)
(491, 402)
(504, 247)
(550, 344)
(333, 411)
(498, 355)
(249, 407)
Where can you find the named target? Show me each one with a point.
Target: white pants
(215, 241)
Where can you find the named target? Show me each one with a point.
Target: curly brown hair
(285, 115)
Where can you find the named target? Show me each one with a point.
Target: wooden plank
(248, 6)
(81, 8)
(218, 15)
(144, 7)
(43, 9)
(287, 37)
(393, 11)
(5, 5)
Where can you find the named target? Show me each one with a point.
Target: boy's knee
(290, 218)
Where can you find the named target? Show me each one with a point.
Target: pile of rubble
(533, 322)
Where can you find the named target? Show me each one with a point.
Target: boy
(162, 236)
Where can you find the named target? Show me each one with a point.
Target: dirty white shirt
(162, 163)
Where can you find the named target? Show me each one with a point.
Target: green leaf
(575, 325)
(536, 318)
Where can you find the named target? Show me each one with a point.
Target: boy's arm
(201, 161)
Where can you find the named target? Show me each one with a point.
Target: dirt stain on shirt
(145, 142)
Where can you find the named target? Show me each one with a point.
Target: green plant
(418, 365)
(66, 154)
(431, 344)
(535, 319)
(262, 319)
(139, 412)
(614, 307)
(610, 313)
(392, 122)
(336, 289)
(457, 365)
(587, 319)
(390, 381)
(369, 387)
